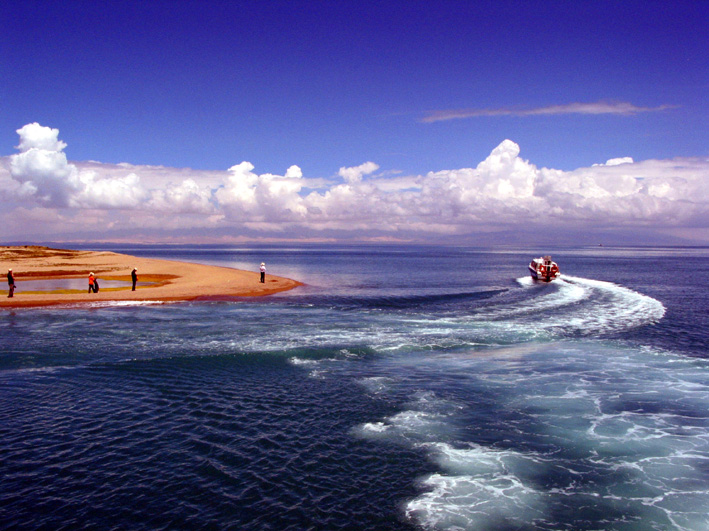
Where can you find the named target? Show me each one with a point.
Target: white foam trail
(589, 306)
(616, 308)
(300, 361)
(605, 420)
(116, 304)
(405, 426)
(132, 303)
(481, 491)
(426, 421)
(559, 294)
(376, 384)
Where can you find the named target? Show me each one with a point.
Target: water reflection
(58, 284)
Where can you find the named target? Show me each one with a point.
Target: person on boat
(134, 277)
(92, 279)
(10, 283)
(263, 272)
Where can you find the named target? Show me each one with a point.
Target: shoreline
(171, 281)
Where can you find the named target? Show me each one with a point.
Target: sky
(457, 122)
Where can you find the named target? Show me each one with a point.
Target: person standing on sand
(91, 283)
(263, 272)
(10, 283)
(134, 277)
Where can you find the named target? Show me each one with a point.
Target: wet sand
(170, 280)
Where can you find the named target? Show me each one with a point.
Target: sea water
(399, 388)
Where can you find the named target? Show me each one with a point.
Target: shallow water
(401, 388)
(66, 284)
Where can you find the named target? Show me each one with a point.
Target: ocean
(401, 388)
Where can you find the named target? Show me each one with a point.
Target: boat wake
(581, 306)
(574, 424)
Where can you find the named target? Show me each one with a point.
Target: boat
(544, 269)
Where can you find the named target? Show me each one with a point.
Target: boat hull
(544, 269)
(544, 277)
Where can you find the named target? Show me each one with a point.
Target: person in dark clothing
(134, 277)
(10, 283)
(263, 272)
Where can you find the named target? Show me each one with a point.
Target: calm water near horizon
(417, 388)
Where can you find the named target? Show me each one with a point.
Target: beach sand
(170, 280)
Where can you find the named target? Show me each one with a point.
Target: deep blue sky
(324, 84)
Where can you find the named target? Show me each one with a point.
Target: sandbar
(158, 280)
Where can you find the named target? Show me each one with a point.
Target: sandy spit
(171, 280)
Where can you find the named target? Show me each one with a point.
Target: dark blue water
(401, 388)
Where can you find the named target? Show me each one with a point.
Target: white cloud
(354, 174)
(46, 175)
(261, 197)
(95, 192)
(294, 172)
(620, 160)
(188, 197)
(504, 191)
(35, 136)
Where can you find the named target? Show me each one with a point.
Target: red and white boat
(544, 269)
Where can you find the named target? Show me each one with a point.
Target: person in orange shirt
(91, 283)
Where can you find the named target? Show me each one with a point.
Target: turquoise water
(400, 388)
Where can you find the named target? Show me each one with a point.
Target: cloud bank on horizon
(47, 197)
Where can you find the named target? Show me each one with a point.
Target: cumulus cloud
(44, 174)
(247, 196)
(503, 191)
(35, 136)
(619, 160)
(600, 107)
(354, 174)
(120, 193)
(41, 168)
(187, 197)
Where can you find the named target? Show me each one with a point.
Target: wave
(393, 301)
(489, 318)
